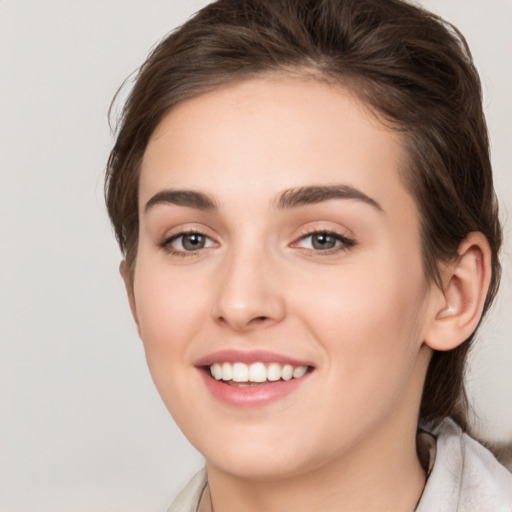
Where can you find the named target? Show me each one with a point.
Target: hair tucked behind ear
(412, 68)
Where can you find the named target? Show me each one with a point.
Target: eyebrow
(291, 198)
(189, 198)
(302, 196)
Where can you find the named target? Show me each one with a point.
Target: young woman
(303, 196)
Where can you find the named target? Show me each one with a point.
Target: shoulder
(188, 499)
(465, 476)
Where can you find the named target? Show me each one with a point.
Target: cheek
(169, 309)
(369, 321)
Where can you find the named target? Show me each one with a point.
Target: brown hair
(414, 69)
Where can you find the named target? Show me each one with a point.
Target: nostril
(260, 319)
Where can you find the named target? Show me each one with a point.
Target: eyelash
(166, 244)
(345, 242)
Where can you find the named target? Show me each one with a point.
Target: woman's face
(277, 238)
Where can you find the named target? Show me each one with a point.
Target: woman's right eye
(187, 242)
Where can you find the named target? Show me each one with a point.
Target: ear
(458, 308)
(124, 270)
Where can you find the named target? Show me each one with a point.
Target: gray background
(81, 426)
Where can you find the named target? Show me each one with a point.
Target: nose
(249, 293)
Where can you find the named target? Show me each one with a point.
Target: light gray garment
(465, 477)
(188, 499)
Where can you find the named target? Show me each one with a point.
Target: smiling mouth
(241, 374)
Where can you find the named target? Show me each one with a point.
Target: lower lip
(252, 395)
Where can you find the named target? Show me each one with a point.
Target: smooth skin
(336, 282)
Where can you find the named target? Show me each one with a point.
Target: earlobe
(124, 270)
(459, 306)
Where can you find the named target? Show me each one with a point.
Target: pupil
(193, 242)
(323, 241)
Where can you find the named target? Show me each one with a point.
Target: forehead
(260, 136)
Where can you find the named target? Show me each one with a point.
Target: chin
(260, 457)
(258, 466)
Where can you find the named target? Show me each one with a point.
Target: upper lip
(249, 357)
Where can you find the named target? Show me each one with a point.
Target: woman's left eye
(324, 241)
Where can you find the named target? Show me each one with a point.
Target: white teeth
(216, 371)
(240, 372)
(287, 372)
(273, 372)
(256, 372)
(299, 371)
(227, 371)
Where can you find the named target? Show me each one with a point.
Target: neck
(383, 475)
